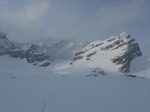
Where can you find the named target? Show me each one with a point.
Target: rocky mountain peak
(118, 51)
(3, 36)
(5, 44)
(114, 53)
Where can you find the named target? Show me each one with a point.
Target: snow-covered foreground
(26, 88)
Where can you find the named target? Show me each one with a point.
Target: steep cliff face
(115, 53)
(10, 48)
(5, 44)
(35, 53)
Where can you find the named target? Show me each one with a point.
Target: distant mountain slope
(5, 44)
(41, 53)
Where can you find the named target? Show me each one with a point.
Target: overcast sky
(25, 20)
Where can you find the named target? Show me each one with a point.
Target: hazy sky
(26, 20)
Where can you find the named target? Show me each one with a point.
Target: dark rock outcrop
(97, 72)
(5, 44)
(36, 54)
(132, 51)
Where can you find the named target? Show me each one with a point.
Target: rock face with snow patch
(35, 53)
(5, 44)
(41, 53)
(115, 52)
(96, 72)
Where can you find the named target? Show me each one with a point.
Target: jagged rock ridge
(120, 50)
(5, 44)
(41, 53)
(113, 53)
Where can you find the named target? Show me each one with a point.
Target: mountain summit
(112, 54)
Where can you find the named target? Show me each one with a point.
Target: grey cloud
(24, 21)
(34, 19)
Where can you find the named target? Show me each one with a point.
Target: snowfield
(28, 88)
(141, 67)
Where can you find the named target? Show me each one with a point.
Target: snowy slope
(27, 88)
(113, 55)
(141, 67)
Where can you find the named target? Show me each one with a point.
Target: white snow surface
(28, 88)
(140, 67)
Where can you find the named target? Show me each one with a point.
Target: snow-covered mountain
(116, 54)
(112, 54)
(41, 53)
